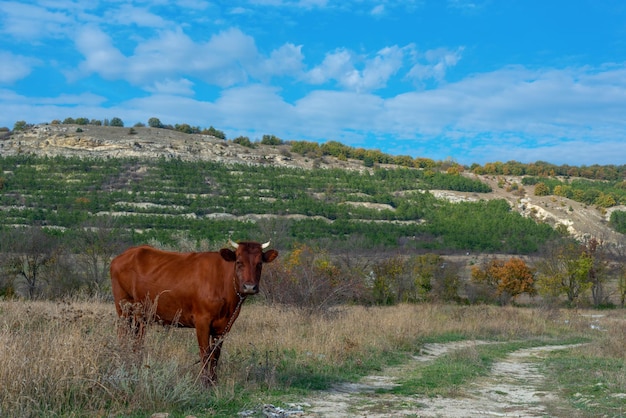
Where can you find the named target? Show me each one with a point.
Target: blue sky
(475, 81)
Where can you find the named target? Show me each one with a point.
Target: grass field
(64, 358)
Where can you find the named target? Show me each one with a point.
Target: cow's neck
(237, 294)
(234, 303)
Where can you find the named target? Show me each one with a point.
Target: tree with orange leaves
(508, 279)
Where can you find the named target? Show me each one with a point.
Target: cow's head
(248, 258)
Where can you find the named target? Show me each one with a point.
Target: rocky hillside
(116, 142)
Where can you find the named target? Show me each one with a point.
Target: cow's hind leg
(131, 328)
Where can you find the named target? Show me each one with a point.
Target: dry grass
(65, 359)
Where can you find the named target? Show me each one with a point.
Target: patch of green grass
(310, 373)
(446, 337)
(593, 386)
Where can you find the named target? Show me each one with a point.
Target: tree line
(35, 263)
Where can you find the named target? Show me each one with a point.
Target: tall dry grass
(65, 358)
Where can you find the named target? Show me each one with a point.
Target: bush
(271, 140)
(214, 132)
(244, 141)
(309, 278)
(541, 189)
(20, 125)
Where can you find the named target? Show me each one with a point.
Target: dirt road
(510, 390)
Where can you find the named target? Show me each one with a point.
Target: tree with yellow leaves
(573, 268)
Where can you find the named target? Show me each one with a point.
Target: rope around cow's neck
(237, 308)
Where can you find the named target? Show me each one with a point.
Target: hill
(579, 219)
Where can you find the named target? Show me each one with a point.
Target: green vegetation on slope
(206, 200)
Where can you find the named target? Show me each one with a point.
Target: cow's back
(176, 279)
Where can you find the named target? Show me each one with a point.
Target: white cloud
(256, 102)
(45, 109)
(286, 60)
(305, 4)
(381, 68)
(30, 22)
(337, 65)
(101, 56)
(225, 60)
(83, 99)
(128, 14)
(182, 87)
(515, 110)
(378, 10)
(239, 11)
(467, 6)
(331, 112)
(194, 4)
(15, 67)
(435, 64)
(341, 67)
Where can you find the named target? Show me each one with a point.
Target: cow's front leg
(210, 350)
(215, 345)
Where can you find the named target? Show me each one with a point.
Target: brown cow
(203, 290)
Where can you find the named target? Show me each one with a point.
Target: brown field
(64, 358)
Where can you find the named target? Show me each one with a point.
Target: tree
(97, 243)
(30, 252)
(508, 279)
(116, 122)
(593, 249)
(434, 278)
(386, 280)
(564, 269)
(154, 123)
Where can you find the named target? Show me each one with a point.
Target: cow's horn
(265, 245)
(233, 243)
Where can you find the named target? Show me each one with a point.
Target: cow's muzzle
(250, 289)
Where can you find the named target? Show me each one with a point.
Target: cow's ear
(228, 255)
(269, 256)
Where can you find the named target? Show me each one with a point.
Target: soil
(512, 389)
